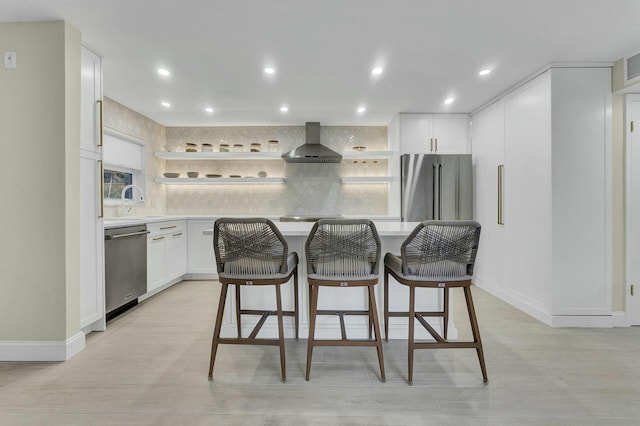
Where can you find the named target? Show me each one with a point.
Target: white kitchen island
(392, 234)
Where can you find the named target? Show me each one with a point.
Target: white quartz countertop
(116, 222)
(302, 229)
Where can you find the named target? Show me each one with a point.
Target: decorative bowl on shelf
(213, 175)
(171, 175)
(262, 174)
(193, 174)
(359, 148)
(235, 176)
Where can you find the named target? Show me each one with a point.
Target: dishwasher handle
(130, 234)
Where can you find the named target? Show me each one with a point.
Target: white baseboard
(619, 319)
(512, 299)
(616, 319)
(42, 350)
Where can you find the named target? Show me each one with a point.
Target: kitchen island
(200, 264)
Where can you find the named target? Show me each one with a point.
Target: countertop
(116, 222)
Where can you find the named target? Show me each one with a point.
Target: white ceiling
(323, 52)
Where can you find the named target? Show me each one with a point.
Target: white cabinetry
(202, 259)
(91, 228)
(488, 157)
(434, 133)
(551, 258)
(166, 253)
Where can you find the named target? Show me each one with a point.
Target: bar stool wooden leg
(281, 333)
(445, 301)
(295, 301)
(238, 314)
(476, 332)
(216, 330)
(370, 319)
(314, 290)
(376, 326)
(412, 314)
(386, 304)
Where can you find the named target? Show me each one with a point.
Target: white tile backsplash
(308, 188)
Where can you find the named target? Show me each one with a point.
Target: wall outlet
(10, 60)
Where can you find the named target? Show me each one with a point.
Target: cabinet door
(90, 108)
(91, 242)
(416, 133)
(155, 262)
(176, 255)
(451, 133)
(488, 156)
(528, 193)
(202, 259)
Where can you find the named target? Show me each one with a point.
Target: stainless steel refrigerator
(436, 187)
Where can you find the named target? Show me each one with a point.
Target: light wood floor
(150, 368)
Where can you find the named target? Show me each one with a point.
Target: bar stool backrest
(252, 246)
(441, 249)
(344, 248)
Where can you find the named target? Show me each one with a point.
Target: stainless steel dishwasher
(125, 267)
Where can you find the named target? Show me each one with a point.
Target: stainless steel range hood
(312, 151)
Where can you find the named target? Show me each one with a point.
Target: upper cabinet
(434, 133)
(91, 101)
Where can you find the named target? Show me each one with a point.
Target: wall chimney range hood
(312, 151)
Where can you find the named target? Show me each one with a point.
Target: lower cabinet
(91, 243)
(166, 253)
(202, 258)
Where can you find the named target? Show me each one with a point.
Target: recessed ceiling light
(284, 109)
(361, 109)
(449, 101)
(376, 71)
(269, 70)
(165, 104)
(209, 109)
(164, 72)
(485, 71)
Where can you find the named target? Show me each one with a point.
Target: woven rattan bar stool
(253, 252)
(440, 255)
(343, 253)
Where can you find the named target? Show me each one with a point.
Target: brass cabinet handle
(158, 238)
(100, 128)
(168, 227)
(101, 177)
(500, 188)
(436, 139)
(178, 234)
(431, 147)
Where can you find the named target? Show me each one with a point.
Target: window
(114, 181)
(123, 157)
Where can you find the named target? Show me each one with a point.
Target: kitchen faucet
(122, 195)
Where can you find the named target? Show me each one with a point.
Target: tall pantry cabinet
(541, 156)
(92, 309)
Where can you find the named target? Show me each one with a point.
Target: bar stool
(253, 252)
(343, 253)
(441, 255)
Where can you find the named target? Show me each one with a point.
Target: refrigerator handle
(439, 191)
(433, 194)
(500, 185)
